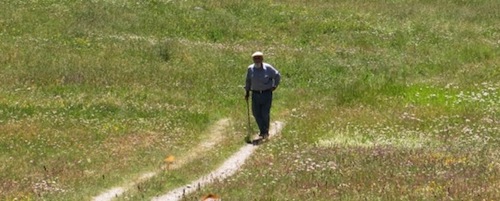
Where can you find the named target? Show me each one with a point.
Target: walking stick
(249, 132)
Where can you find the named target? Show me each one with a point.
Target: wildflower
(210, 197)
(169, 160)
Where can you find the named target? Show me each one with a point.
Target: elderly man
(262, 79)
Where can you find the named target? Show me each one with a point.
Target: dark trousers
(261, 109)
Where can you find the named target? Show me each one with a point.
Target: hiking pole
(247, 138)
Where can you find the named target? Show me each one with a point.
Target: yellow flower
(170, 159)
(210, 197)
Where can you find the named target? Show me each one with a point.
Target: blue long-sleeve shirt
(260, 79)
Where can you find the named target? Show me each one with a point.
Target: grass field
(383, 100)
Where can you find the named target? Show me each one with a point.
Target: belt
(261, 91)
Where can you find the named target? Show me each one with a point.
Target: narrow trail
(214, 135)
(228, 168)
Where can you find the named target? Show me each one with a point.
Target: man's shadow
(258, 141)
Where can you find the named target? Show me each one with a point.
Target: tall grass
(393, 100)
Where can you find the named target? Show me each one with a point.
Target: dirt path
(213, 137)
(228, 168)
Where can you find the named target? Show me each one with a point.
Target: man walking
(262, 79)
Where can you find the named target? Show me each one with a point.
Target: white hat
(255, 54)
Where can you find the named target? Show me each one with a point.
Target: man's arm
(277, 79)
(248, 83)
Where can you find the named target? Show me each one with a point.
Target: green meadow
(382, 100)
